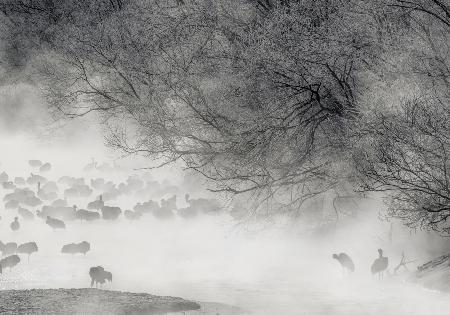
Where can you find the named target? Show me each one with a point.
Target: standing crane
(346, 262)
(380, 264)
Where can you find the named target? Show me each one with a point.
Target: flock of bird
(379, 266)
(49, 200)
(39, 198)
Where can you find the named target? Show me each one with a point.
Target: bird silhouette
(10, 261)
(380, 264)
(346, 262)
(8, 248)
(15, 224)
(55, 223)
(99, 275)
(27, 248)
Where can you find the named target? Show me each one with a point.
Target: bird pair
(379, 266)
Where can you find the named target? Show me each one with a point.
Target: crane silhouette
(346, 262)
(380, 264)
(15, 224)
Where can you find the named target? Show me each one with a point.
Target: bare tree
(403, 263)
(408, 158)
(437, 9)
(260, 104)
(403, 150)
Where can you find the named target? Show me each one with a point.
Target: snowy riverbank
(435, 274)
(89, 301)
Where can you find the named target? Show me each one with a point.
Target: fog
(280, 269)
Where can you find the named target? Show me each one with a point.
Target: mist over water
(277, 270)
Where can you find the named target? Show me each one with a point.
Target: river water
(206, 260)
(210, 259)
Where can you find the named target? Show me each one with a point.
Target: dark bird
(19, 181)
(380, 264)
(19, 195)
(146, 207)
(35, 163)
(132, 215)
(25, 213)
(71, 192)
(166, 209)
(27, 248)
(98, 183)
(73, 248)
(61, 213)
(111, 194)
(83, 190)
(8, 248)
(59, 203)
(32, 201)
(345, 261)
(15, 225)
(84, 247)
(45, 167)
(33, 179)
(55, 223)
(170, 203)
(4, 177)
(203, 205)
(10, 261)
(87, 215)
(47, 192)
(12, 204)
(99, 275)
(110, 213)
(97, 204)
(69, 181)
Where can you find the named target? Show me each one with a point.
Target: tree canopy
(280, 99)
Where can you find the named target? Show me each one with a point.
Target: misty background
(264, 267)
(319, 126)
